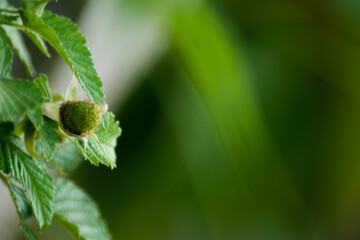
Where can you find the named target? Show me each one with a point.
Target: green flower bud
(80, 117)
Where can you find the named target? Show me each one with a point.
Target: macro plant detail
(40, 130)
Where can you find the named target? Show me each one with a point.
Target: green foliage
(48, 138)
(16, 41)
(43, 85)
(28, 232)
(65, 37)
(32, 175)
(17, 97)
(22, 204)
(39, 42)
(23, 103)
(101, 150)
(37, 7)
(67, 156)
(5, 56)
(74, 209)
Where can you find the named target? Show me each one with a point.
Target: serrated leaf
(5, 56)
(43, 84)
(32, 175)
(67, 156)
(39, 42)
(21, 202)
(17, 97)
(65, 37)
(28, 232)
(79, 214)
(37, 7)
(15, 40)
(102, 149)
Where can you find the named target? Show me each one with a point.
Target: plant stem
(20, 128)
(9, 11)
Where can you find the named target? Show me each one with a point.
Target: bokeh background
(240, 118)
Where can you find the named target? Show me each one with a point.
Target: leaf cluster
(25, 161)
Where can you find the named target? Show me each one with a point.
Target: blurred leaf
(17, 97)
(48, 138)
(15, 40)
(67, 156)
(28, 232)
(77, 212)
(35, 116)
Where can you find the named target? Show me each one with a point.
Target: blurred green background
(240, 118)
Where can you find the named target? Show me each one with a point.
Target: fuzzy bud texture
(80, 117)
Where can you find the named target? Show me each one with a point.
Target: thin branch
(9, 11)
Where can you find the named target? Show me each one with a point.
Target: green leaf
(32, 175)
(37, 7)
(48, 138)
(28, 232)
(77, 212)
(47, 135)
(35, 116)
(102, 149)
(65, 37)
(43, 84)
(17, 97)
(22, 204)
(5, 56)
(67, 156)
(15, 40)
(39, 42)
